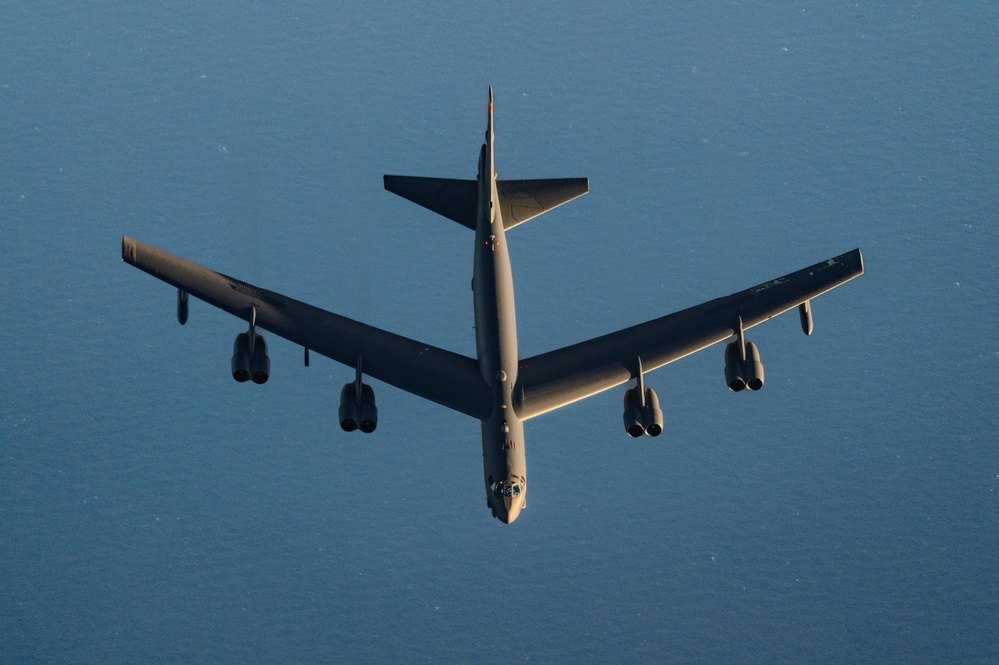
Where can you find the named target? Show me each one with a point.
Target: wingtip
(855, 258)
(128, 249)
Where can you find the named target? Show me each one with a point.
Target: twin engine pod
(357, 408)
(642, 416)
(743, 369)
(250, 361)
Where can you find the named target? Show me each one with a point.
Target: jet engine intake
(633, 414)
(653, 414)
(741, 373)
(250, 363)
(358, 411)
(260, 367)
(754, 368)
(642, 416)
(367, 412)
(348, 408)
(241, 358)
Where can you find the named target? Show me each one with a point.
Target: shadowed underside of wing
(551, 380)
(441, 376)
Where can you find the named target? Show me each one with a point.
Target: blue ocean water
(154, 511)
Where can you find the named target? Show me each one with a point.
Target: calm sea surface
(152, 510)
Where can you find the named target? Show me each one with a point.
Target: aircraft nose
(510, 512)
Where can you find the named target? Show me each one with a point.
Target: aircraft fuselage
(503, 459)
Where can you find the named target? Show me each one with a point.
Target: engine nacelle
(633, 414)
(367, 412)
(241, 358)
(653, 414)
(642, 418)
(734, 372)
(250, 364)
(753, 367)
(739, 373)
(358, 414)
(348, 408)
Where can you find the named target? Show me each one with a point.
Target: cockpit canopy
(510, 487)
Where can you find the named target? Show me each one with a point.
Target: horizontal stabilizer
(454, 199)
(522, 200)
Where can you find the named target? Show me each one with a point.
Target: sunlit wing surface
(441, 376)
(552, 380)
(523, 200)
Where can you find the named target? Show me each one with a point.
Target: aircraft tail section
(520, 200)
(523, 200)
(454, 199)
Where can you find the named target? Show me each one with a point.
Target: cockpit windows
(505, 487)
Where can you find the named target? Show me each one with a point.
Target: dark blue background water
(152, 510)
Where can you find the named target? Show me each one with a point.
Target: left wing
(441, 376)
(552, 380)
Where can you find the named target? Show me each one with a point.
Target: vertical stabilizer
(489, 120)
(490, 164)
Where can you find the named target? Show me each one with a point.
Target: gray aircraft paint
(498, 387)
(503, 458)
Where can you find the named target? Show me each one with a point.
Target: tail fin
(520, 200)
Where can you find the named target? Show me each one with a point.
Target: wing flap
(441, 376)
(554, 379)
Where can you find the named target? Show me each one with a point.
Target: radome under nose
(510, 510)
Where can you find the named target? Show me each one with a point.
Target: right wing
(554, 379)
(441, 376)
